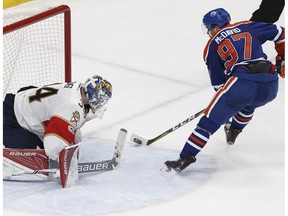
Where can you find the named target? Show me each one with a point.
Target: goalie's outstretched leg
(24, 160)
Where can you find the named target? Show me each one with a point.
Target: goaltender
(50, 117)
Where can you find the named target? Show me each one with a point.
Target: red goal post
(36, 46)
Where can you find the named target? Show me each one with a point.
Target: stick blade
(138, 140)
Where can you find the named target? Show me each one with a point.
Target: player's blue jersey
(236, 45)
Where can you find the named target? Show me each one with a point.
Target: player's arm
(275, 33)
(59, 134)
(214, 65)
(216, 71)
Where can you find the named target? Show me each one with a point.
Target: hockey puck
(137, 141)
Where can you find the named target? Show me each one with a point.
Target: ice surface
(151, 52)
(110, 191)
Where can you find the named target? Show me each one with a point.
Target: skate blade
(168, 171)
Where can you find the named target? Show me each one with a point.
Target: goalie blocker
(34, 164)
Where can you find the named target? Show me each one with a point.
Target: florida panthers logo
(75, 118)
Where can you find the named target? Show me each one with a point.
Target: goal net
(36, 46)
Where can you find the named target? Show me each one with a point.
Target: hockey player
(50, 117)
(241, 75)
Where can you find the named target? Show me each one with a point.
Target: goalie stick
(82, 167)
(104, 165)
(142, 141)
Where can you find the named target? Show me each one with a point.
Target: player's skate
(179, 164)
(231, 133)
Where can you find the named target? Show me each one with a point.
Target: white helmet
(98, 92)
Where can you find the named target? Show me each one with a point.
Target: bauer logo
(65, 163)
(23, 154)
(92, 167)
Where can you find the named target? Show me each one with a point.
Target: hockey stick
(107, 164)
(90, 166)
(34, 172)
(142, 141)
(82, 168)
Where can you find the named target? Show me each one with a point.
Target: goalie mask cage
(36, 47)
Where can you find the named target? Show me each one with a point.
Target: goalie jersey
(55, 113)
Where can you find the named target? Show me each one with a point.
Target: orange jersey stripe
(218, 94)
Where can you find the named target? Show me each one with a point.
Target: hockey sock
(196, 141)
(241, 119)
(199, 137)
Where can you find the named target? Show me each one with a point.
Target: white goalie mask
(98, 92)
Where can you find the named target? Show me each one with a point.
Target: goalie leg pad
(68, 165)
(16, 161)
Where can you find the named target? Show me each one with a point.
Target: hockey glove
(280, 65)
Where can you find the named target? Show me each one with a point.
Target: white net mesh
(33, 54)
